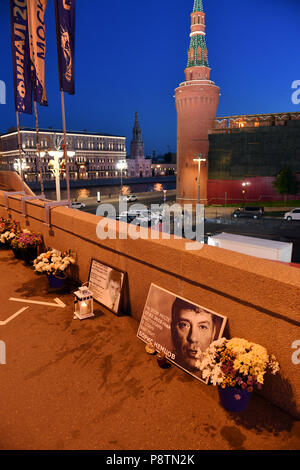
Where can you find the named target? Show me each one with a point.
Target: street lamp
(20, 165)
(121, 165)
(55, 167)
(244, 185)
(199, 160)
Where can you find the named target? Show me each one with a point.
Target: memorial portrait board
(106, 284)
(179, 328)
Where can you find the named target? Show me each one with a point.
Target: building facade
(246, 153)
(164, 169)
(138, 165)
(96, 155)
(196, 99)
(254, 145)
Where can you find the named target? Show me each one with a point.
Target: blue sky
(130, 56)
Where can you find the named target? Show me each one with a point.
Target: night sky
(131, 54)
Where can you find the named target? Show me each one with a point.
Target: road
(271, 228)
(146, 199)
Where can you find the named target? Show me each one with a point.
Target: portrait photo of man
(179, 327)
(193, 329)
(112, 293)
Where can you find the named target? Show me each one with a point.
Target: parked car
(293, 214)
(252, 212)
(126, 216)
(130, 198)
(78, 205)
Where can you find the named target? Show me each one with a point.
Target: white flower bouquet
(53, 263)
(7, 237)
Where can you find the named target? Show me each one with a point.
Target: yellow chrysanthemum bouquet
(236, 363)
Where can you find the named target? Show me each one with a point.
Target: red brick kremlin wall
(259, 189)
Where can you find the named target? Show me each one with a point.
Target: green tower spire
(197, 52)
(198, 5)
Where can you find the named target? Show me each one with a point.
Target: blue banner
(21, 56)
(65, 32)
(36, 22)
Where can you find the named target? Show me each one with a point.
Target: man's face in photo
(114, 290)
(195, 331)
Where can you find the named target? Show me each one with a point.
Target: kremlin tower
(197, 100)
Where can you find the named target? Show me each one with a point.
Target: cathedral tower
(138, 165)
(197, 100)
(137, 145)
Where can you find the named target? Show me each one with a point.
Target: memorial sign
(106, 283)
(179, 328)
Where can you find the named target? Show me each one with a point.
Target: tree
(286, 183)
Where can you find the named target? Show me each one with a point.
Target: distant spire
(198, 5)
(137, 150)
(137, 131)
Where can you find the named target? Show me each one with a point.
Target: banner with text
(36, 22)
(21, 56)
(65, 31)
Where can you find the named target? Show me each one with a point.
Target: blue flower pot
(230, 402)
(56, 282)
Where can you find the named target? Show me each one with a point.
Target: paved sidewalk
(78, 385)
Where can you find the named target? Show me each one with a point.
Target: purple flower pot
(56, 282)
(234, 399)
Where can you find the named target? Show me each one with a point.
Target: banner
(36, 22)
(65, 32)
(21, 56)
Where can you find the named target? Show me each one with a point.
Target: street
(220, 220)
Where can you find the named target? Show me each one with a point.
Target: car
(293, 214)
(77, 205)
(252, 212)
(130, 198)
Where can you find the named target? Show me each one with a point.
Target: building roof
(259, 115)
(12, 130)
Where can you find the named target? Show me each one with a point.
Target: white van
(78, 205)
(293, 214)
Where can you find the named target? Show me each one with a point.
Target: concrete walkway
(77, 385)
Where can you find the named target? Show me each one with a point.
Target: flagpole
(35, 105)
(65, 144)
(38, 148)
(20, 150)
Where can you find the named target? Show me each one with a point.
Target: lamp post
(55, 168)
(121, 165)
(199, 159)
(20, 165)
(55, 165)
(244, 186)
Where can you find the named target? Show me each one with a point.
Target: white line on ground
(58, 302)
(2, 323)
